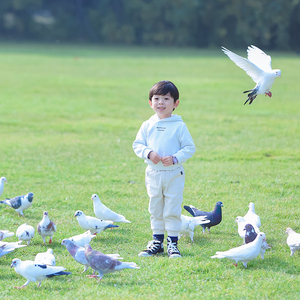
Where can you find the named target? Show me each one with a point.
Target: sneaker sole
(175, 256)
(145, 254)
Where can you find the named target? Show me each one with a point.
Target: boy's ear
(176, 103)
(150, 102)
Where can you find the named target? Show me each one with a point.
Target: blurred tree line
(200, 23)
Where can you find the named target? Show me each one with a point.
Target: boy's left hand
(167, 161)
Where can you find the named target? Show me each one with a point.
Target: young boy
(164, 142)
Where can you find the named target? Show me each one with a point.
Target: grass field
(68, 117)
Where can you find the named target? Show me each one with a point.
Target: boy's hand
(154, 157)
(167, 161)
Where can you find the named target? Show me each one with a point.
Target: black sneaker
(154, 247)
(172, 249)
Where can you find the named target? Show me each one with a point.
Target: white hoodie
(168, 136)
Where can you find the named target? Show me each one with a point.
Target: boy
(164, 142)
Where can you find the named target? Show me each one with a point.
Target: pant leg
(173, 194)
(153, 180)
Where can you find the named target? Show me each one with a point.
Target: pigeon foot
(19, 287)
(268, 94)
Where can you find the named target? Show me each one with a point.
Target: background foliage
(234, 23)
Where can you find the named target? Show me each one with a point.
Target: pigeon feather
(19, 203)
(293, 240)
(214, 217)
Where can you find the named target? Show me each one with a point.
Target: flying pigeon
(77, 252)
(188, 225)
(2, 181)
(215, 216)
(250, 236)
(104, 213)
(46, 227)
(25, 233)
(33, 271)
(104, 264)
(45, 258)
(19, 203)
(243, 253)
(293, 240)
(258, 67)
(241, 226)
(5, 233)
(251, 216)
(82, 239)
(93, 224)
(6, 248)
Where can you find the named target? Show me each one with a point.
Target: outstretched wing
(259, 58)
(249, 67)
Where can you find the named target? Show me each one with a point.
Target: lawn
(68, 117)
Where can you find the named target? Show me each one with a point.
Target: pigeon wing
(248, 66)
(259, 58)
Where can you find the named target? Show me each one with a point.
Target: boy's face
(163, 105)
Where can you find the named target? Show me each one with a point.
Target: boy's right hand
(154, 157)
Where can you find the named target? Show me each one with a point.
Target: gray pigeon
(46, 227)
(33, 271)
(258, 67)
(77, 252)
(19, 203)
(2, 181)
(104, 264)
(215, 216)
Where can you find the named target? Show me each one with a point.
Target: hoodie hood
(173, 118)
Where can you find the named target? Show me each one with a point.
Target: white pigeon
(77, 252)
(241, 226)
(188, 224)
(2, 181)
(104, 213)
(250, 236)
(93, 224)
(19, 203)
(6, 247)
(45, 258)
(82, 239)
(293, 240)
(258, 67)
(5, 233)
(25, 232)
(251, 217)
(46, 227)
(35, 272)
(243, 253)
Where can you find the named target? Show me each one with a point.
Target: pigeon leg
(39, 284)
(235, 264)
(93, 276)
(19, 287)
(50, 241)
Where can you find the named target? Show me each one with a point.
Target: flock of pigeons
(79, 245)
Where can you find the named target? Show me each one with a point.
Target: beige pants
(165, 189)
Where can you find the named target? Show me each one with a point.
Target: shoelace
(151, 245)
(172, 247)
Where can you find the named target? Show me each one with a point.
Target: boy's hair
(164, 87)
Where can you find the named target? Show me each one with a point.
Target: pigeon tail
(190, 210)
(251, 96)
(58, 274)
(6, 201)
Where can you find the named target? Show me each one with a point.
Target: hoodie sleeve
(140, 146)
(187, 146)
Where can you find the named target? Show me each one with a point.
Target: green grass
(68, 117)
